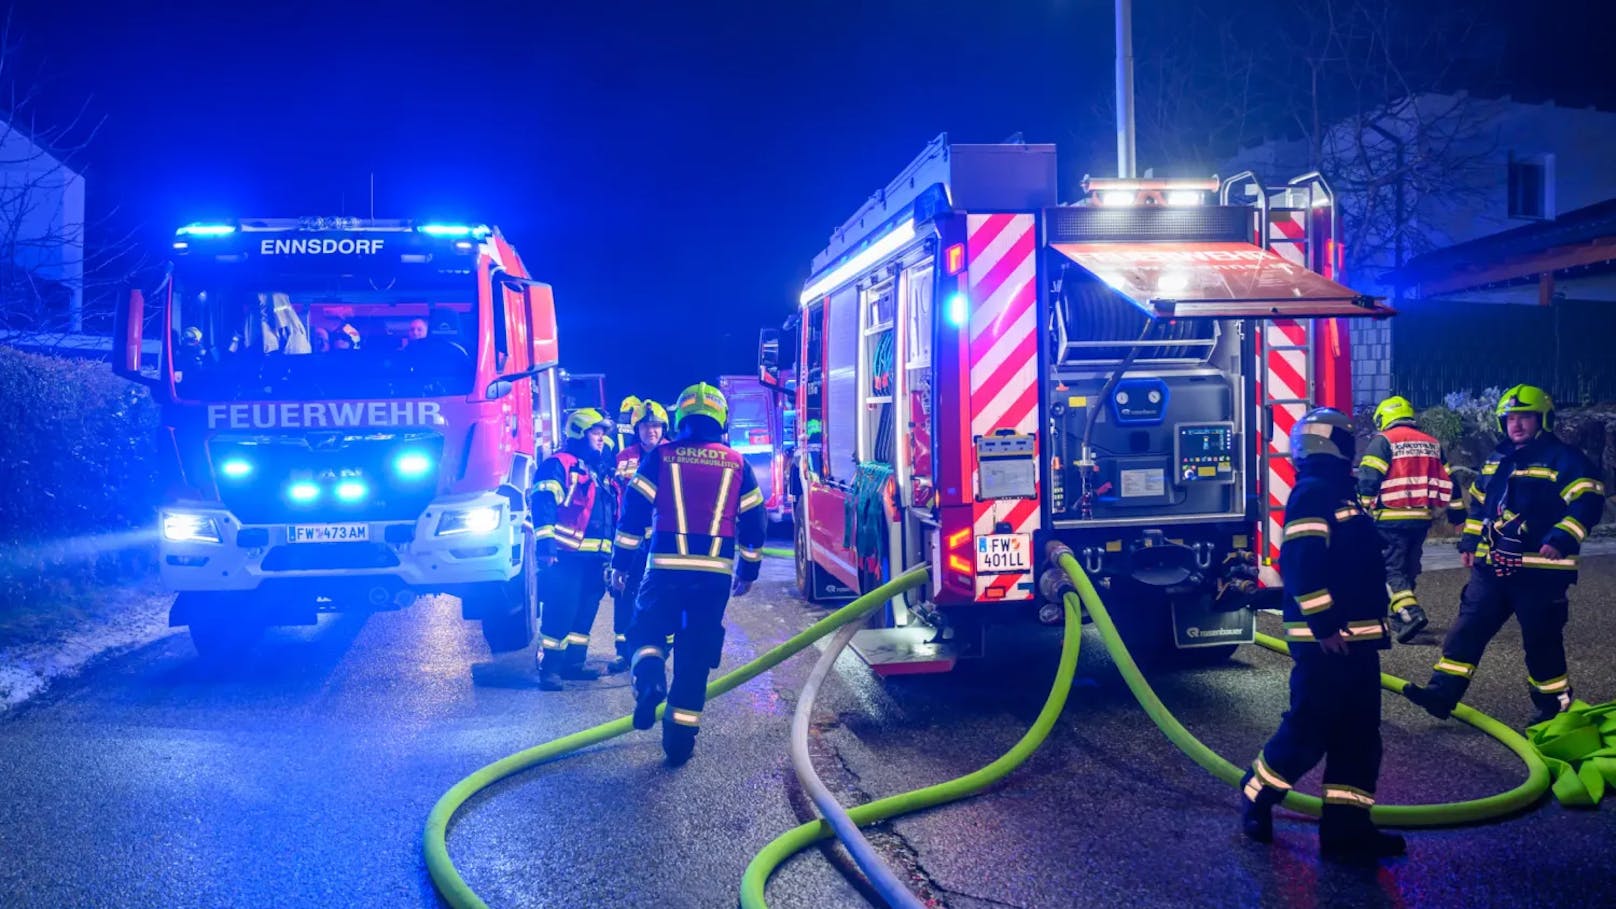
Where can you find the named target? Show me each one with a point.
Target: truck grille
(387, 476)
(328, 556)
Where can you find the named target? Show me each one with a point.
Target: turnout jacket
(1335, 577)
(1544, 492)
(574, 506)
(1403, 476)
(693, 505)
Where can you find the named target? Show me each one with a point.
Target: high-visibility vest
(1416, 479)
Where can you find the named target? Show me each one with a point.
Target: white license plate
(1004, 553)
(327, 533)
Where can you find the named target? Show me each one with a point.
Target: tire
(507, 615)
(223, 626)
(806, 569)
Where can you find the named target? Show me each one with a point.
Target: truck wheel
(507, 612)
(807, 571)
(223, 626)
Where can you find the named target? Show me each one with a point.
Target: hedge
(77, 449)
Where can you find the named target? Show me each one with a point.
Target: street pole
(1125, 137)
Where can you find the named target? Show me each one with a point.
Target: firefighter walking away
(1335, 624)
(695, 508)
(1531, 507)
(573, 510)
(1402, 479)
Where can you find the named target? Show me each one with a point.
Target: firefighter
(623, 438)
(649, 421)
(1532, 505)
(1402, 477)
(574, 507)
(701, 506)
(1335, 623)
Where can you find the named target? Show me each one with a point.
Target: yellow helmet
(1526, 399)
(626, 409)
(704, 400)
(1392, 410)
(581, 421)
(648, 412)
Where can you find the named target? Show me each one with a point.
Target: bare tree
(1367, 92)
(58, 270)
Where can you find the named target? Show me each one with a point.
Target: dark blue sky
(670, 167)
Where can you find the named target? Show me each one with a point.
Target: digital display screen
(1205, 453)
(1200, 441)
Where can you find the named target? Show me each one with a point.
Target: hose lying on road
(798, 838)
(881, 877)
(434, 843)
(1431, 815)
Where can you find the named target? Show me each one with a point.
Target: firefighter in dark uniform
(1531, 507)
(1402, 479)
(574, 508)
(623, 437)
(649, 421)
(695, 508)
(1335, 624)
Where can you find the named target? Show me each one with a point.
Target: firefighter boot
(620, 664)
(1408, 622)
(578, 672)
(1347, 835)
(1549, 706)
(1434, 697)
(650, 687)
(549, 679)
(678, 742)
(1257, 809)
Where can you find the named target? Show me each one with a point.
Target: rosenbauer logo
(321, 246)
(324, 414)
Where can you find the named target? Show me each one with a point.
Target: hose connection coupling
(1053, 586)
(1054, 549)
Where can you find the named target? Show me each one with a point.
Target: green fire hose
(1432, 815)
(434, 843)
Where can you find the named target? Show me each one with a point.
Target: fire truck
(757, 429)
(982, 368)
(354, 410)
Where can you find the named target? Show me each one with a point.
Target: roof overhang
(1218, 280)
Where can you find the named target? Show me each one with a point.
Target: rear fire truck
(757, 417)
(352, 408)
(982, 369)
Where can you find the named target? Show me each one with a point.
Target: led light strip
(875, 252)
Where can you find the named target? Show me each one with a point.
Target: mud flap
(828, 589)
(1197, 624)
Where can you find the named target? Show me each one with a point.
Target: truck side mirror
(769, 358)
(128, 341)
(541, 324)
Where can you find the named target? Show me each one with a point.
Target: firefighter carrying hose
(696, 509)
(1335, 624)
(574, 506)
(1531, 507)
(649, 420)
(1402, 478)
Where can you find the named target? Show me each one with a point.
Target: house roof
(1582, 237)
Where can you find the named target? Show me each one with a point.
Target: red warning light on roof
(954, 259)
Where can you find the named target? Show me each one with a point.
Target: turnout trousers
(1537, 597)
(571, 590)
(689, 605)
(1334, 717)
(1401, 544)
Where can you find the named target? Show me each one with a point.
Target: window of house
(1531, 186)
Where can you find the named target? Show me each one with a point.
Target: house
(1490, 225)
(41, 237)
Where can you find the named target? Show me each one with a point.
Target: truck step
(904, 651)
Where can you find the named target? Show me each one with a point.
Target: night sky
(670, 167)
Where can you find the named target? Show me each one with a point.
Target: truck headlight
(469, 520)
(183, 527)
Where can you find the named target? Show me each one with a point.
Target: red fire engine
(757, 429)
(981, 368)
(355, 409)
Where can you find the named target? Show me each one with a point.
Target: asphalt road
(302, 776)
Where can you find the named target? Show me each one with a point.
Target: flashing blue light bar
(454, 230)
(206, 230)
(959, 309)
(412, 465)
(887, 244)
(303, 491)
(236, 468)
(351, 490)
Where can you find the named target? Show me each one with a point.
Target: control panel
(1204, 453)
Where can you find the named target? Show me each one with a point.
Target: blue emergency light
(206, 230)
(454, 230)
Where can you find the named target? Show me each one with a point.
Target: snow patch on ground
(132, 616)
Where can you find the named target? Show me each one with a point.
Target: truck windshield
(242, 339)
